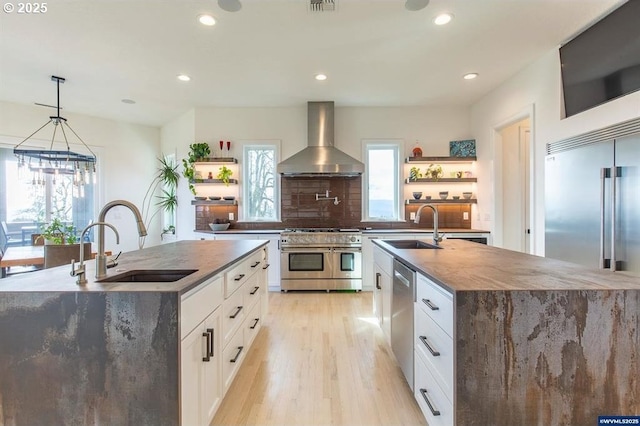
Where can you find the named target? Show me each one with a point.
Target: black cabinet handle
(255, 264)
(378, 276)
(211, 348)
(423, 339)
(430, 304)
(434, 411)
(239, 277)
(265, 266)
(235, 358)
(208, 336)
(235, 314)
(255, 324)
(255, 289)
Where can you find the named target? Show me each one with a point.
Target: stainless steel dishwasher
(404, 284)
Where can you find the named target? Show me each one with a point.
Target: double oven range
(321, 259)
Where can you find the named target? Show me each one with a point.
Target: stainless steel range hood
(320, 157)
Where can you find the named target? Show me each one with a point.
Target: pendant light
(59, 162)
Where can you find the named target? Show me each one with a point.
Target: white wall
(433, 127)
(126, 153)
(538, 85)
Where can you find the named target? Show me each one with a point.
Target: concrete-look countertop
(364, 231)
(466, 266)
(207, 257)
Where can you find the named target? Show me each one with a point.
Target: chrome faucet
(80, 272)
(101, 258)
(436, 237)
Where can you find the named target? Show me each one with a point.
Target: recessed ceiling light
(183, 77)
(128, 101)
(207, 20)
(443, 19)
(470, 76)
(321, 77)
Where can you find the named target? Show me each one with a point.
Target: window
(261, 197)
(29, 199)
(382, 180)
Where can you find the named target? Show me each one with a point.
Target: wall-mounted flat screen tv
(603, 62)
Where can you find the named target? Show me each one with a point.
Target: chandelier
(41, 162)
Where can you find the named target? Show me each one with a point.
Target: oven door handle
(305, 250)
(347, 250)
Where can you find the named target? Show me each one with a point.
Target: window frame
(397, 145)
(244, 188)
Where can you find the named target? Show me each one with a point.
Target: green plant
(56, 232)
(197, 152)
(166, 175)
(224, 174)
(414, 173)
(434, 171)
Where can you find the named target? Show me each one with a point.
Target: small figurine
(210, 175)
(417, 151)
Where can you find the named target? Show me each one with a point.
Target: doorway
(513, 185)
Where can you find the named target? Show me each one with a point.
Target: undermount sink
(410, 244)
(149, 276)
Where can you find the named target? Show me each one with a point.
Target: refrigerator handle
(604, 174)
(617, 172)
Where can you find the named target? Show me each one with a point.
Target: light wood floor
(320, 359)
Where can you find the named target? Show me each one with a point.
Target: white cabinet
(272, 263)
(243, 311)
(219, 320)
(434, 352)
(201, 349)
(383, 270)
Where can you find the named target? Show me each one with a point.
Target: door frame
(496, 143)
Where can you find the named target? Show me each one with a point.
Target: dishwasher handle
(401, 278)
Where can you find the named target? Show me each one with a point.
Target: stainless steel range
(321, 259)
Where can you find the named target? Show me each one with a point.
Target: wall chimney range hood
(320, 157)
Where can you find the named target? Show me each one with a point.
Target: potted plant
(57, 233)
(434, 171)
(197, 152)
(166, 176)
(415, 174)
(224, 174)
(62, 244)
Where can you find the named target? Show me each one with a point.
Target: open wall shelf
(440, 201)
(420, 160)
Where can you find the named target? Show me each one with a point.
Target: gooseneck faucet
(436, 237)
(80, 272)
(101, 258)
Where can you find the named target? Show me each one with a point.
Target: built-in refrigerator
(592, 198)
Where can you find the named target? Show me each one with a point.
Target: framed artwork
(466, 148)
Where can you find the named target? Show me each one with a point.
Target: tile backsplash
(301, 209)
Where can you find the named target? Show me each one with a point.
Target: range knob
(353, 239)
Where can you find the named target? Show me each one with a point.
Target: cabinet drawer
(252, 325)
(240, 273)
(198, 303)
(436, 349)
(232, 357)
(252, 291)
(383, 260)
(233, 315)
(436, 302)
(438, 410)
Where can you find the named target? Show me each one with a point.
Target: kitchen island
(505, 338)
(110, 352)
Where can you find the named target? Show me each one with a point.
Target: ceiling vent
(322, 5)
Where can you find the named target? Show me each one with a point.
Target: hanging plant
(224, 174)
(197, 152)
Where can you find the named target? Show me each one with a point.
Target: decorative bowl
(215, 198)
(200, 198)
(229, 197)
(456, 197)
(444, 194)
(417, 195)
(219, 226)
(467, 195)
